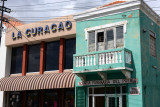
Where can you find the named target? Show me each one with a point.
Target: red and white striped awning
(37, 82)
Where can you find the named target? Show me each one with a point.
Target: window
(15, 99)
(16, 63)
(69, 97)
(33, 58)
(152, 43)
(107, 96)
(70, 49)
(52, 56)
(106, 38)
(51, 98)
(33, 98)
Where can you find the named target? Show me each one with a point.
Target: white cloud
(64, 7)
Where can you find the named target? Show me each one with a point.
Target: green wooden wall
(150, 75)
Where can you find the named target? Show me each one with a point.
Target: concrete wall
(132, 42)
(150, 75)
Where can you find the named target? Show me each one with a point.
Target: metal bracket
(127, 73)
(103, 75)
(82, 77)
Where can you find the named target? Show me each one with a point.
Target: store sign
(40, 30)
(134, 91)
(102, 82)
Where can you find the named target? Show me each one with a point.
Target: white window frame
(107, 95)
(105, 28)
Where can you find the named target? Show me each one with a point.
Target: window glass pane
(90, 101)
(69, 97)
(100, 36)
(99, 90)
(90, 90)
(16, 63)
(51, 98)
(110, 39)
(119, 38)
(124, 89)
(52, 56)
(70, 49)
(124, 101)
(15, 99)
(99, 101)
(91, 42)
(118, 91)
(33, 58)
(110, 90)
(32, 98)
(100, 41)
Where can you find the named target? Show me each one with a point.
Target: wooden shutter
(109, 39)
(119, 37)
(152, 45)
(80, 97)
(91, 41)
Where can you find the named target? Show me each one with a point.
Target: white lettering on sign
(103, 82)
(134, 91)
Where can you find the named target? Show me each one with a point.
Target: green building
(117, 60)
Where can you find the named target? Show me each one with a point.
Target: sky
(30, 11)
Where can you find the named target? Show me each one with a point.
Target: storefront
(51, 98)
(41, 57)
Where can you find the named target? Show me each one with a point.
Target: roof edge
(117, 8)
(97, 10)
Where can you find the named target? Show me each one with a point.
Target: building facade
(39, 64)
(103, 57)
(117, 56)
(4, 50)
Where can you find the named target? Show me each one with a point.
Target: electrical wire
(49, 3)
(33, 19)
(22, 33)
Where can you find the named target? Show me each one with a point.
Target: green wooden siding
(80, 97)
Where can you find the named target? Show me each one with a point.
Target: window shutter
(152, 45)
(119, 37)
(110, 39)
(91, 42)
(80, 97)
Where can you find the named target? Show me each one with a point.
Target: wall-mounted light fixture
(144, 30)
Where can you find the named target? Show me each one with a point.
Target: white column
(5, 64)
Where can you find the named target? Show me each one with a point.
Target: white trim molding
(124, 23)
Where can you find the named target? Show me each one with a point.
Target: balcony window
(16, 63)
(52, 56)
(33, 58)
(105, 38)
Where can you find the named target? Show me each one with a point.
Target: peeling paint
(130, 16)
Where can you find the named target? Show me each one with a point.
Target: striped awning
(36, 82)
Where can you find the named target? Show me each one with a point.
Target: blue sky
(37, 10)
